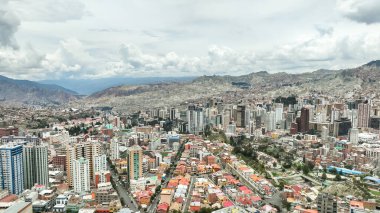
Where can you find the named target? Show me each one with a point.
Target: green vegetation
(324, 176)
(375, 193)
(338, 177)
(220, 136)
(286, 100)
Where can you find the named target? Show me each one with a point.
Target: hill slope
(348, 83)
(31, 93)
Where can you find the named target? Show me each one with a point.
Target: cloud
(218, 60)
(323, 51)
(365, 11)
(8, 25)
(70, 60)
(49, 11)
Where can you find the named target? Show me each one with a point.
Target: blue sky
(48, 39)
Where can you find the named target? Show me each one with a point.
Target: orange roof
(357, 203)
(255, 178)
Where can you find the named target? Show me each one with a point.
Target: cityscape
(206, 106)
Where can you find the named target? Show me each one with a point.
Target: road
(153, 205)
(189, 193)
(123, 193)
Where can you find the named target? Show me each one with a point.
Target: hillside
(19, 92)
(348, 83)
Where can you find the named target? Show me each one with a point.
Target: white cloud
(49, 11)
(324, 51)
(366, 11)
(60, 39)
(8, 25)
(219, 60)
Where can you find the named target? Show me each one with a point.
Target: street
(123, 193)
(188, 198)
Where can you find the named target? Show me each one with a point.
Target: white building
(324, 133)
(195, 119)
(81, 175)
(114, 150)
(354, 136)
(270, 121)
(100, 163)
(279, 110)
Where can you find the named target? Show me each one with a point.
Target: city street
(123, 193)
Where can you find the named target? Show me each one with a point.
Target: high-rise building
(354, 135)
(341, 127)
(11, 168)
(35, 161)
(248, 119)
(279, 110)
(81, 175)
(324, 133)
(195, 118)
(327, 203)
(100, 164)
(240, 116)
(87, 150)
(114, 150)
(226, 118)
(304, 120)
(364, 111)
(173, 114)
(270, 121)
(134, 155)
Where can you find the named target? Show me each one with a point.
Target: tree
(324, 176)
(348, 166)
(310, 165)
(338, 177)
(207, 131)
(334, 171)
(305, 169)
(232, 142)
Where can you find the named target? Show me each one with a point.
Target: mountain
(89, 86)
(346, 83)
(32, 93)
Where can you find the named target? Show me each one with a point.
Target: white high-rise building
(353, 116)
(324, 133)
(81, 175)
(100, 163)
(114, 150)
(35, 159)
(270, 121)
(354, 136)
(195, 119)
(11, 168)
(279, 110)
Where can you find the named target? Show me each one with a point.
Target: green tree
(207, 131)
(305, 170)
(338, 177)
(324, 176)
(348, 166)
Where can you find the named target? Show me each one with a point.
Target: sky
(82, 39)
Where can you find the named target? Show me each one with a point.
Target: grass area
(375, 193)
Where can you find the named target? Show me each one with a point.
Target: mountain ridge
(357, 80)
(25, 92)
